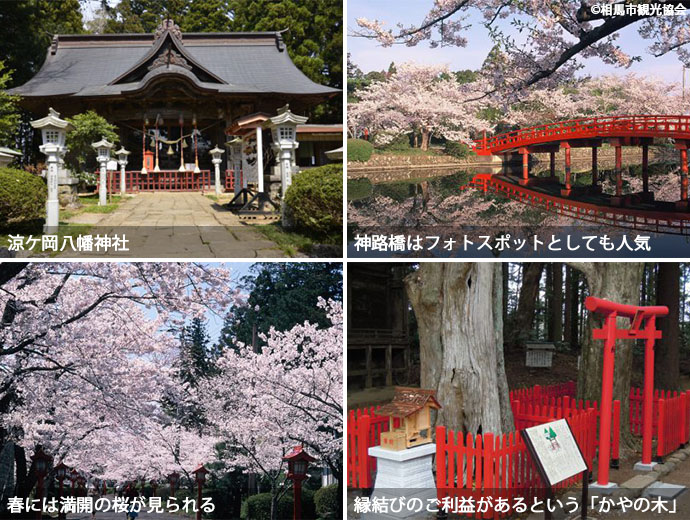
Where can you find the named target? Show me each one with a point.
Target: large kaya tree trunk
(666, 356)
(619, 282)
(529, 293)
(459, 311)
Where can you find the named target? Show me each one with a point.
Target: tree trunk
(572, 300)
(529, 292)
(426, 137)
(619, 282)
(666, 355)
(458, 307)
(556, 319)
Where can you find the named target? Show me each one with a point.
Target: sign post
(557, 457)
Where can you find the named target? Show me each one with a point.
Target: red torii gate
(642, 326)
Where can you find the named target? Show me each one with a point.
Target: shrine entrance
(173, 98)
(642, 326)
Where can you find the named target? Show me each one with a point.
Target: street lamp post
(216, 155)
(200, 475)
(298, 461)
(173, 478)
(41, 461)
(103, 148)
(53, 133)
(61, 474)
(122, 161)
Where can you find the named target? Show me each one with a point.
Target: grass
(212, 197)
(65, 229)
(293, 243)
(35, 228)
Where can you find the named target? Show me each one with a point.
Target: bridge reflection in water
(637, 211)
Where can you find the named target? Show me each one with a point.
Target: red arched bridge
(635, 210)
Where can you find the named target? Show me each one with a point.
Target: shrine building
(174, 96)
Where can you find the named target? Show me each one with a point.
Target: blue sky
(369, 55)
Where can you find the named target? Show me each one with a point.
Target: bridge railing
(619, 126)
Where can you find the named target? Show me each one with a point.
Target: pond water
(445, 183)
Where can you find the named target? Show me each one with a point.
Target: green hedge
(22, 196)
(359, 150)
(259, 506)
(327, 503)
(459, 150)
(315, 199)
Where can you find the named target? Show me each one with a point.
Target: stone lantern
(284, 132)
(53, 133)
(103, 148)
(122, 161)
(216, 155)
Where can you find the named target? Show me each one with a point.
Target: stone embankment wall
(387, 168)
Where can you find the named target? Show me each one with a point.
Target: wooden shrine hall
(175, 96)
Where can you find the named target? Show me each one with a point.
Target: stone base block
(663, 490)
(607, 489)
(405, 473)
(641, 466)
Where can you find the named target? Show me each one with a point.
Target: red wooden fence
(364, 428)
(673, 415)
(532, 406)
(499, 466)
(168, 180)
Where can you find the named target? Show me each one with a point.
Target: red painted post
(525, 167)
(595, 166)
(489, 486)
(645, 168)
(648, 400)
(567, 169)
(660, 433)
(363, 449)
(606, 400)
(441, 477)
(619, 170)
(684, 174)
(615, 445)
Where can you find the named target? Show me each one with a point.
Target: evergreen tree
(281, 295)
(195, 356)
(28, 27)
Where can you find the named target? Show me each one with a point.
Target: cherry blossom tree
(600, 96)
(86, 350)
(419, 97)
(290, 392)
(546, 39)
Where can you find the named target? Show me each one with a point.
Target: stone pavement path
(178, 224)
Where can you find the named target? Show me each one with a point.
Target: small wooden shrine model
(412, 409)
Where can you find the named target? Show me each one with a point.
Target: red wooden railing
(168, 180)
(676, 126)
(532, 406)
(673, 416)
(364, 428)
(642, 220)
(230, 180)
(499, 466)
